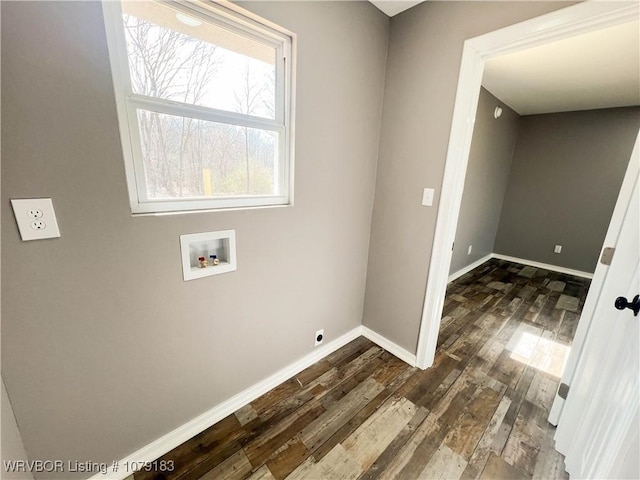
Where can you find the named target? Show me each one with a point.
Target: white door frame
(574, 20)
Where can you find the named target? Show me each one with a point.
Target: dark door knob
(622, 303)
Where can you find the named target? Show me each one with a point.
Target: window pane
(189, 158)
(179, 57)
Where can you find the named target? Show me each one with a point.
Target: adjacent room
(221, 235)
(545, 168)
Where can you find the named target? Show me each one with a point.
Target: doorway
(571, 21)
(578, 19)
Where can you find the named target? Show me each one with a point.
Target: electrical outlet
(36, 218)
(557, 249)
(469, 249)
(319, 337)
(38, 225)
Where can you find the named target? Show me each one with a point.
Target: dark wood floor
(479, 412)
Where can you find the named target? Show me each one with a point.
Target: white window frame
(239, 21)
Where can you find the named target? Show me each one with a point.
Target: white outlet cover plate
(427, 197)
(24, 210)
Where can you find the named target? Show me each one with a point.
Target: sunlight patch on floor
(534, 347)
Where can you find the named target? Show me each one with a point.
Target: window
(204, 103)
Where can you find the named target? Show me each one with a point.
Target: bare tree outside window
(187, 157)
(251, 97)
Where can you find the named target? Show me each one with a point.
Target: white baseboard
(389, 346)
(556, 410)
(470, 267)
(523, 261)
(176, 437)
(546, 266)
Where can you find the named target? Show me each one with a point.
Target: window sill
(209, 210)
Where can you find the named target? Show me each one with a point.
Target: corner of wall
(12, 447)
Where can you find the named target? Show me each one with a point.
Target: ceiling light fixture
(497, 112)
(188, 20)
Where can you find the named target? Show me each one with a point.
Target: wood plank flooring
(479, 413)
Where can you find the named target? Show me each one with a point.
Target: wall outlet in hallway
(319, 337)
(557, 249)
(469, 249)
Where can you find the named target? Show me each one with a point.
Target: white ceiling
(394, 7)
(600, 69)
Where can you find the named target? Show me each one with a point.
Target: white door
(598, 428)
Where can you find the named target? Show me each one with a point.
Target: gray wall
(565, 178)
(485, 182)
(104, 347)
(425, 48)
